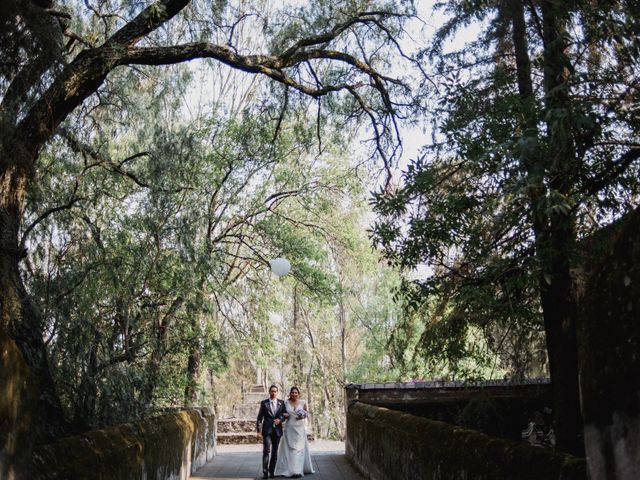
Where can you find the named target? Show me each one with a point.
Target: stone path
(243, 462)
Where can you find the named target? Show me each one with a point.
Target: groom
(269, 427)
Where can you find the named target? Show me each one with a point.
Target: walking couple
(276, 419)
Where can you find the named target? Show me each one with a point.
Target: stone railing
(391, 445)
(170, 446)
(495, 407)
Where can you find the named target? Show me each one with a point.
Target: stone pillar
(609, 358)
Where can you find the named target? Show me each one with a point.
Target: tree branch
(44, 215)
(596, 184)
(146, 22)
(86, 73)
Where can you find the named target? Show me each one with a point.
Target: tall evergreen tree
(529, 157)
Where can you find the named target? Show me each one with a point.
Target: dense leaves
(140, 205)
(534, 150)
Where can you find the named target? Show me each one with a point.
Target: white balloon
(280, 266)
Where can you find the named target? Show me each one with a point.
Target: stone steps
(241, 429)
(246, 410)
(254, 398)
(243, 438)
(235, 438)
(235, 425)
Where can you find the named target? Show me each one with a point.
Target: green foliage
(464, 207)
(131, 277)
(162, 253)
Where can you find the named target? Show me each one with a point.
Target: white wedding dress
(294, 457)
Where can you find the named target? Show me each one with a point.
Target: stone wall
(609, 357)
(391, 445)
(170, 446)
(496, 407)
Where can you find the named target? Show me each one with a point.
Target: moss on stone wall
(163, 447)
(387, 444)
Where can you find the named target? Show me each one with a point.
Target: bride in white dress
(294, 458)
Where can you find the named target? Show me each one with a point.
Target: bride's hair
(292, 389)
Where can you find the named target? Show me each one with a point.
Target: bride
(294, 458)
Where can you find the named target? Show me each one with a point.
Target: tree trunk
(84, 412)
(343, 341)
(553, 230)
(193, 371)
(559, 296)
(153, 367)
(161, 328)
(297, 340)
(27, 393)
(193, 365)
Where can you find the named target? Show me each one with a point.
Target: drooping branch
(115, 167)
(325, 38)
(271, 66)
(47, 213)
(614, 170)
(83, 76)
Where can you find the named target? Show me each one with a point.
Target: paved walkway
(243, 462)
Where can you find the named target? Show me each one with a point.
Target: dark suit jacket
(265, 420)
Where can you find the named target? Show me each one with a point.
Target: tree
(530, 157)
(169, 230)
(53, 66)
(306, 328)
(330, 297)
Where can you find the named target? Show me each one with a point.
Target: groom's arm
(259, 419)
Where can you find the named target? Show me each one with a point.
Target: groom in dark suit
(269, 427)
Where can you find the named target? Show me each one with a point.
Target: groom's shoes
(266, 475)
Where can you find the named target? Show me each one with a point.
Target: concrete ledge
(431, 384)
(170, 446)
(440, 392)
(391, 445)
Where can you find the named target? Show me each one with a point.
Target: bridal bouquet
(300, 414)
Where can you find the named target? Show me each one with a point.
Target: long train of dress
(294, 457)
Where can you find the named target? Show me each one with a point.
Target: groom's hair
(273, 386)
